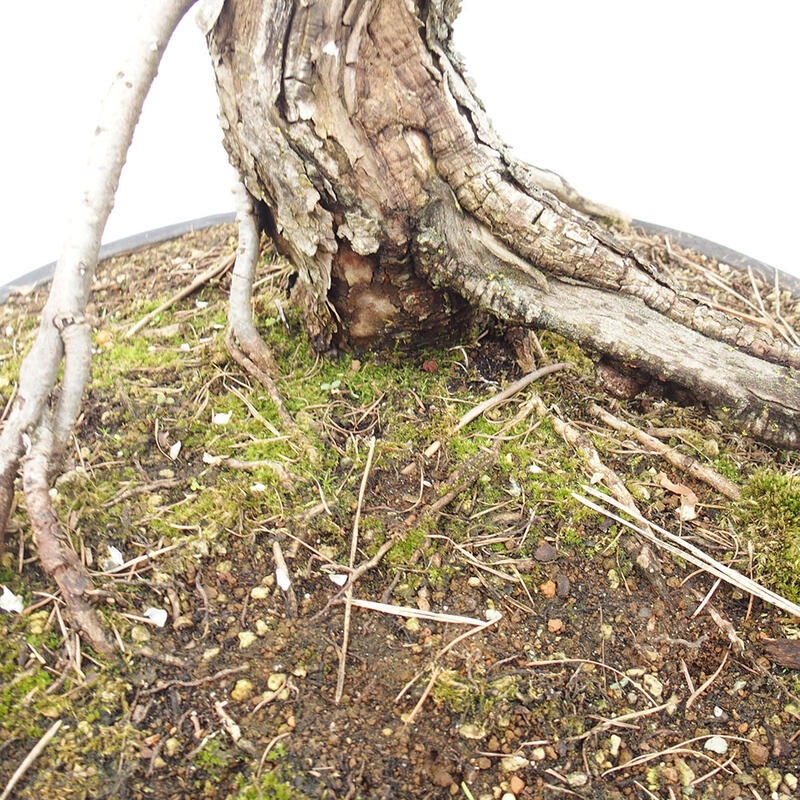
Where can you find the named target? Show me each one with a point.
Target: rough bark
(380, 177)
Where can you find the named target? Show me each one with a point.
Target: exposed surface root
(253, 356)
(57, 558)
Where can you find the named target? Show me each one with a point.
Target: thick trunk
(382, 180)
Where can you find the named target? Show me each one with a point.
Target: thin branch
(676, 458)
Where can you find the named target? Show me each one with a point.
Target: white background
(681, 113)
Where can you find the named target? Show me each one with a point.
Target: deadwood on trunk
(379, 176)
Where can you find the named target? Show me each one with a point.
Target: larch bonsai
(367, 158)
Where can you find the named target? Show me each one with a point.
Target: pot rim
(130, 244)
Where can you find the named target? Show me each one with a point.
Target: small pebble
(548, 589)
(653, 685)
(545, 552)
(246, 638)
(140, 634)
(716, 744)
(563, 585)
(276, 680)
(577, 779)
(516, 784)
(172, 746)
(470, 730)
(242, 691)
(513, 763)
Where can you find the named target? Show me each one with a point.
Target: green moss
(268, 787)
(276, 783)
(405, 547)
(768, 516)
(213, 757)
(727, 466)
(455, 691)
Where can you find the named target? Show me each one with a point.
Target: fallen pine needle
(404, 611)
(424, 696)
(139, 559)
(217, 269)
(697, 692)
(683, 549)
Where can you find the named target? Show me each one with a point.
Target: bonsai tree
(366, 156)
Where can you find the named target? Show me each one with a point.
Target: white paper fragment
(258, 487)
(115, 556)
(339, 578)
(175, 450)
(331, 49)
(11, 602)
(156, 615)
(283, 580)
(222, 418)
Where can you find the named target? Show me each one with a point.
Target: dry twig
(676, 458)
(220, 268)
(29, 759)
(348, 594)
(509, 391)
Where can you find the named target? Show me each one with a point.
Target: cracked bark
(380, 177)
